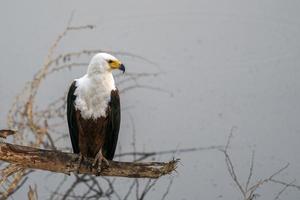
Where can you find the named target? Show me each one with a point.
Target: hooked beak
(122, 68)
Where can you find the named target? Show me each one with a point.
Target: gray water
(223, 64)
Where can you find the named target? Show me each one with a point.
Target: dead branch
(4, 133)
(249, 190)
(61, 162)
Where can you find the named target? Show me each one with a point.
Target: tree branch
(4, 133)
(61, 162)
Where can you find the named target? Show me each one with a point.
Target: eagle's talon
(99, 168)
(98, 160)
(78, 163)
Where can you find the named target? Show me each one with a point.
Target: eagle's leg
(98, 159)
(78, 163)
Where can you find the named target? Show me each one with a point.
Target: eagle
(93, 110)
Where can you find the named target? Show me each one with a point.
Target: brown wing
(114, 119)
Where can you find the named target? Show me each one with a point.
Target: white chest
(93, 95)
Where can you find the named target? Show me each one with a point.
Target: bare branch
(250, 171)
(168, 189)
(5, 133)
(261, 182)
(285, 184)
(56, 161)
(248, 192)
(283, 189)
(144, 155)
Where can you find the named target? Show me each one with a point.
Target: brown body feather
(92, 133)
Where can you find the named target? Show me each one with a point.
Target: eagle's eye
(110, 61)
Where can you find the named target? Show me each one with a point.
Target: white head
(94, 89)
(102, 63)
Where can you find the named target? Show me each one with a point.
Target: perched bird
(93, 110)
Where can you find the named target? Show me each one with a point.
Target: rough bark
(61, 162)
